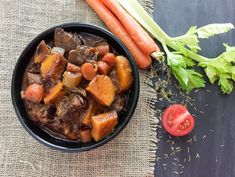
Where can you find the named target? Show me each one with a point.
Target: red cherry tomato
(177, 120)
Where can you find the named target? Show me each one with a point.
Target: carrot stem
(157, 55)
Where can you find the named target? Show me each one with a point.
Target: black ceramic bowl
(17, 79)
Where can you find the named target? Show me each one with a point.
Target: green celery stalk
(185, 50)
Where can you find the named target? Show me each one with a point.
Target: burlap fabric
(131, 153)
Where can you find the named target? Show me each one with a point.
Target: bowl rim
(129, 112)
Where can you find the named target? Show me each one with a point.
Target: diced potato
(71, 80)
(53, 66)
(103, 124)
(55, 94)
(124, 73)
(103, 89)
(86, 120)
(41, 52)
(85, 136)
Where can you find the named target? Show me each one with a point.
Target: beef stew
(72, 91)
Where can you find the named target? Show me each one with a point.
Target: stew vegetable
(76, 86)
(177, 120)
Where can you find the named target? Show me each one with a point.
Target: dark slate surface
(212, 150)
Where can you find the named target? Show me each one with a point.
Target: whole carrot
(137, 33)
(113, 24)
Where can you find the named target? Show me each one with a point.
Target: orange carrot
(138, 34)
(73, 68)
(103, 67)
(34, 93)
(89, 71)
(141, 59)
(109, 58)
(102, 49)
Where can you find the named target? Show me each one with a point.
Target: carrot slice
(141, 59)
(137, 33)
(89, 71)
(102, 49)
(73, 68)
(34, 93)
(103, 67)
(110, 59)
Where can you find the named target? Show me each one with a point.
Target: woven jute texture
(131, 153)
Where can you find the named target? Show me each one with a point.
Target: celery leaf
(214, 29)
(188, 78)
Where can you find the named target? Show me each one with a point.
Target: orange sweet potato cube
(92, 107)
(53, 66)
(103, 89)
(124, 73)
(103, 124)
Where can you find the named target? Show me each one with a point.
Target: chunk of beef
(81, 54)
(34, 68)
(56, 125)
(70, 131)
(41, 52)
(91, 39)
(48, 85)
(113, 77)
(119, 103)
(65, 40)
(63, 129)
(70, 104)
(40, 112)
(34, 78)
(85, 136)
(80, 91)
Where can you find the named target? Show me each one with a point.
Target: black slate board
(212, 150)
